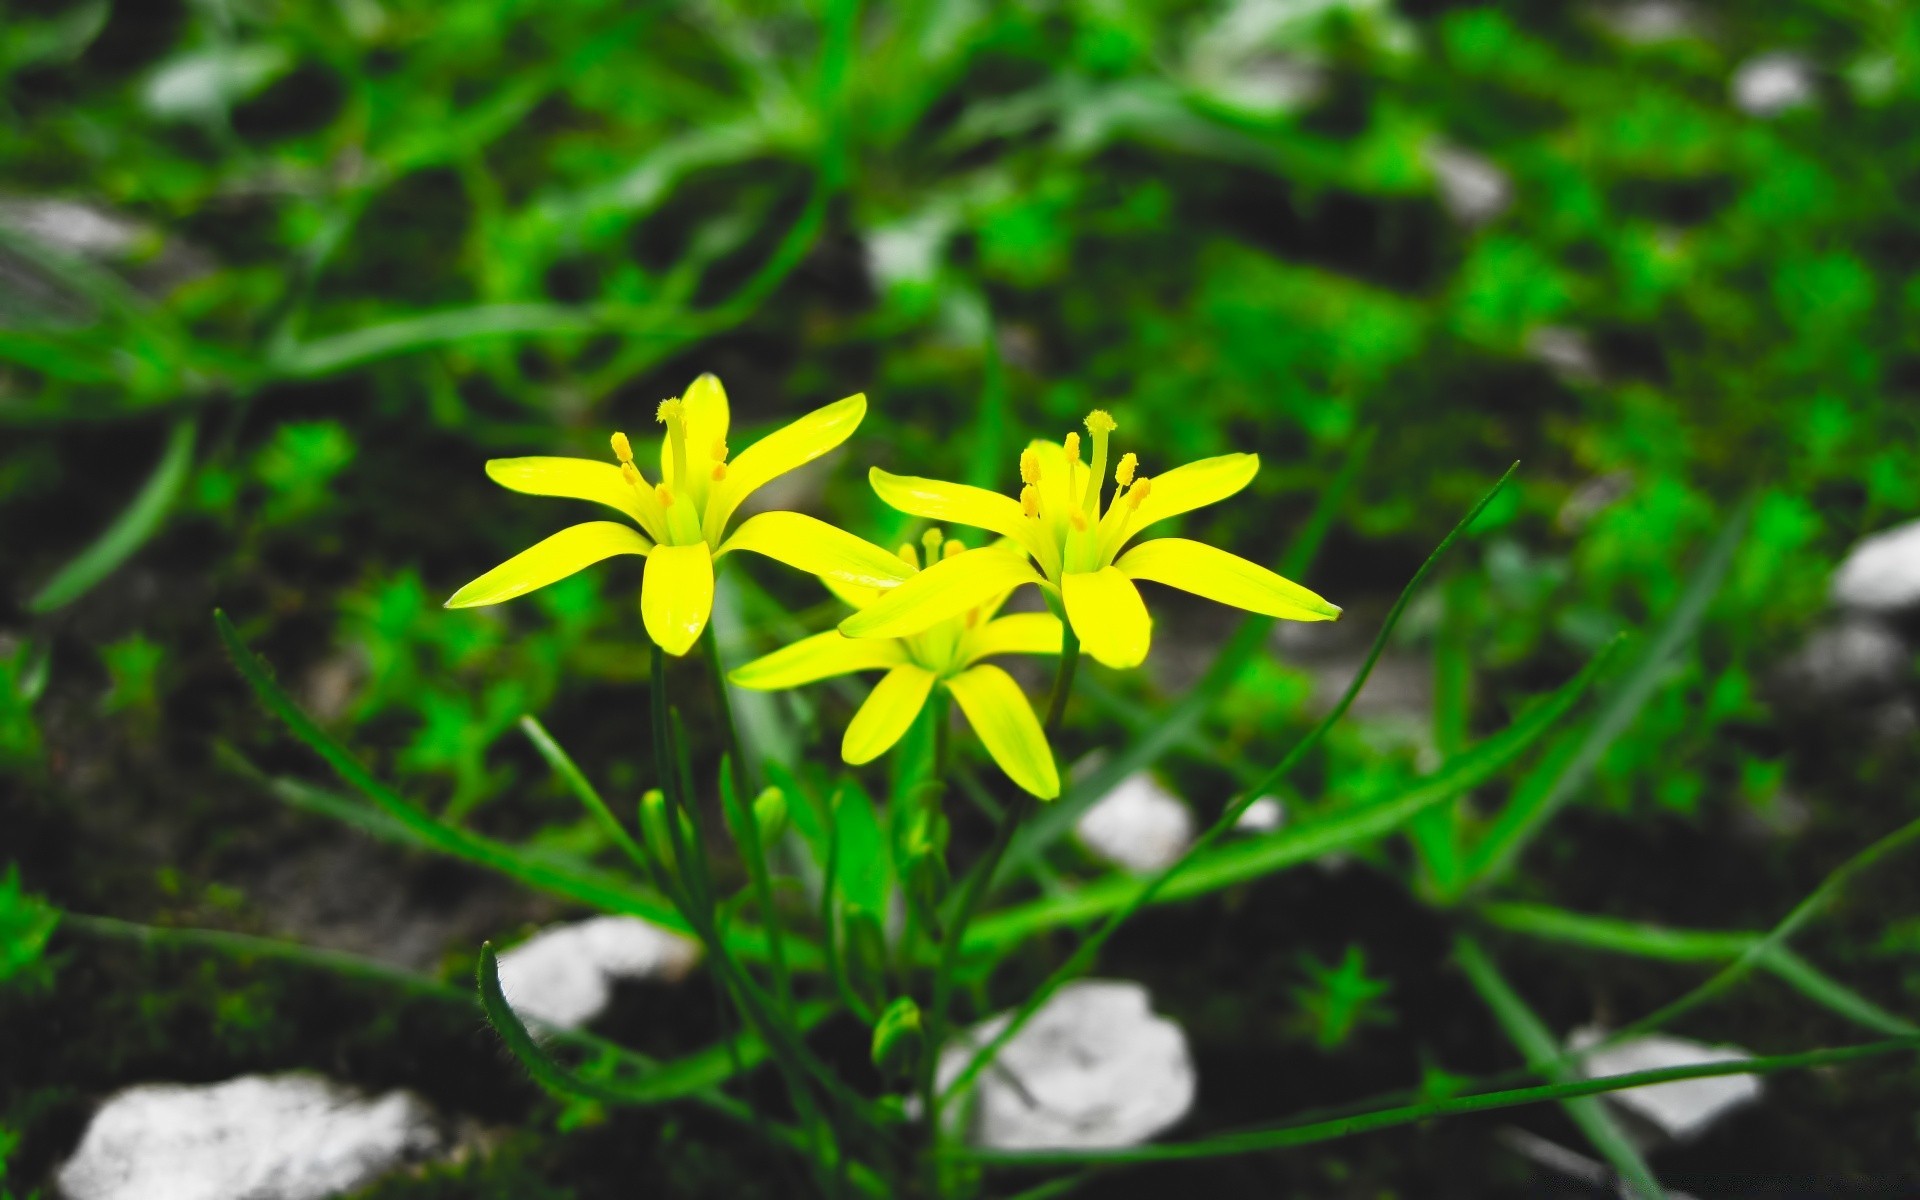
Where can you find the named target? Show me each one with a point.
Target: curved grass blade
(1284, 1137)
(1535, 805)
(583, 789)
(1089, 949)
(1543, 1053)
(1257, 857)
(135, 525)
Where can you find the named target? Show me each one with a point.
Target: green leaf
(1542, 1052)
(25, 925)
(137, 523)
(1543, 795)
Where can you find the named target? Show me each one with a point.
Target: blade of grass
(1534, 806)
(1089, 949)
(577, 783)
(1257, 857)
(1542, 1052)
(1284, 1137)
(136, 524)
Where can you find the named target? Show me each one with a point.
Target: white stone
(1882, 572)
(1857, 659)
(1771, 84)
(564, 974)
(1473, 190)
(1095, 1068)
(1262, 816)
(1650, 21)
(259, 1137)
(1684, 1108)
(1138, 825)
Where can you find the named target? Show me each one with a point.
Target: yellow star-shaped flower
(1071, 540)
(682, 520)
(946, 654)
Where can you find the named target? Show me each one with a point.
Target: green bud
(770, 815)
(899, 1041)
(656, 833)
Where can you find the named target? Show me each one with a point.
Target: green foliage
(1338, 1001)
(25, 925)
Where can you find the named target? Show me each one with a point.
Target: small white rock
(1262, 816)
(1095, 1068)
(1684, 1108)
(1882, 572)
(1857, 659)
(1772, 84)
(1472, 189)
(564, 974)
(259, 1137)
(1139, 825)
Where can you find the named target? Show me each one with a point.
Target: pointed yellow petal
(705, 405)
(676, 595)
(1108, 616)
(1021, 633)
(961, 504)
(781, 451)
(811, 545)
(818, 657)
(570, 550)
(945, 589)
(851, 595)
(889, 709)
(1195, 485)
(1211, 572)
(1001, 716)
(1062, 484)
(576, 479)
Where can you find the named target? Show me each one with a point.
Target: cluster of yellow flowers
(925, 626)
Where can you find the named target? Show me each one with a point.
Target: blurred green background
(276, 278)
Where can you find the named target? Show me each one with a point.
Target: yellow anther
(631, 474)
(1079, 520)
(665, 495)
(719, 452)
(954, 546)
(1030, 501)
(622, 448)
(1073, 447)
(719, 471)
(1030, 467)
(1137, 494)
(1099, 422)
(1123, 474)
(931, 539)
(909, 554)
(669, 411)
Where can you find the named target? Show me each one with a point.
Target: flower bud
(770, 815)
(899, 1040)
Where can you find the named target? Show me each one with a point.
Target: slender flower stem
(756, 854)
(1063, 677)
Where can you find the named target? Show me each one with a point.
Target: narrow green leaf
(137, 523)
(576, 780)
(1535, 804)
(1284, 1137)
(1256, 857)
(1542, 1052)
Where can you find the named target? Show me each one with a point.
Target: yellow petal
(852, 596)
(1000, 715)
(1195, 485)
(781, 451)
(676, 595)
(818, 657)
(945, 589)
(961, 504)
(576, 479)
(1108, 616)
(1211, 572)
(570, 550)
(811, 545)
(889, 709)
(1062, 485)
(705, 405)
(1021, 633)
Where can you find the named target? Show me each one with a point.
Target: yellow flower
(683, 519)
(1063, 529)
(945, 654)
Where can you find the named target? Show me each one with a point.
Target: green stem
(1063, 677)
(756, 854)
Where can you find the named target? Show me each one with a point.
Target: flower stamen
(931, 539)
(1030, 502)
(1123, 474)
(622, 448)
(1101, 426)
